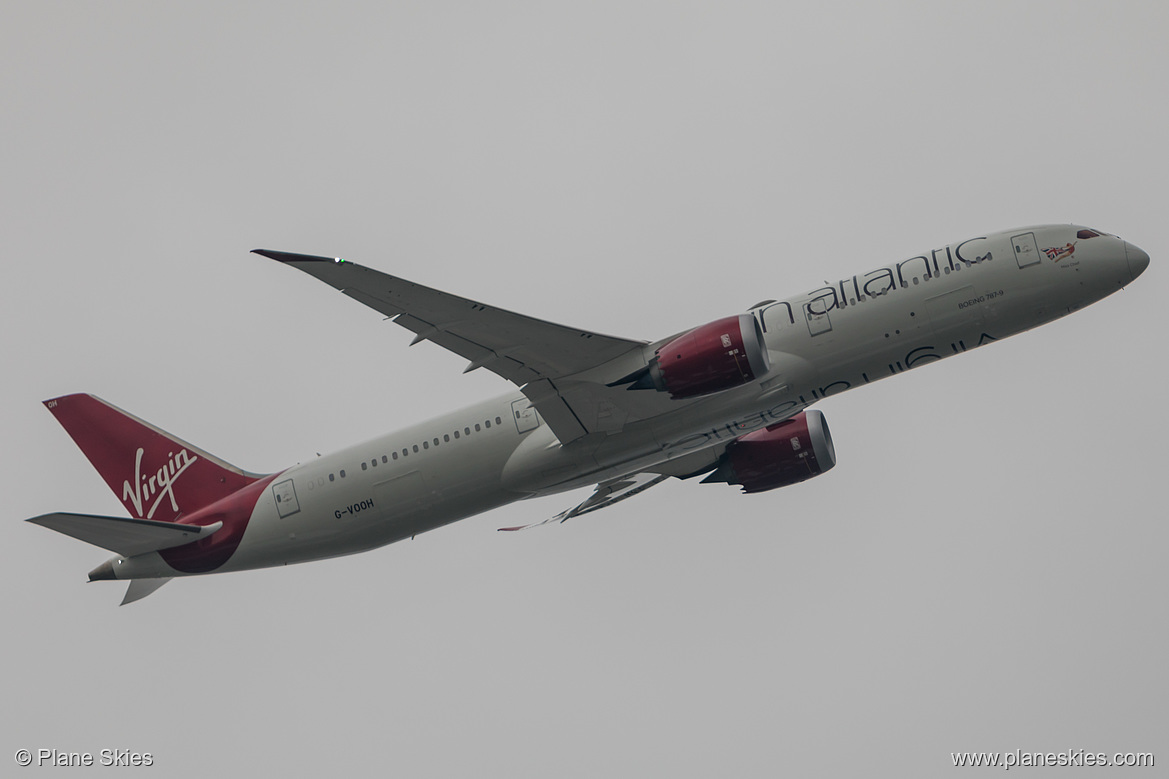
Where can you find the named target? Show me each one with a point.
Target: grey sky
(984, 569)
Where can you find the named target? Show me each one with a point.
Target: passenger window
(456, 434)
(466, 431)
(395, 455)
(415, 448)
(425, 444)
(477, 428)
(364, 467)
(342, 472)
(330, 477)
(384, 460)
(487, 424)
(446, 438)
(498, 421)
(436, 442)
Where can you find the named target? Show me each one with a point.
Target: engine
(726, 353)
(786, 453)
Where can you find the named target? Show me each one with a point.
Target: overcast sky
(984, 569)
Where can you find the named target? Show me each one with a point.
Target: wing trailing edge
(606, 494)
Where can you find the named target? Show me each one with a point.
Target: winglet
(292, 257)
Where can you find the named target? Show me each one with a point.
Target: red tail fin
(156, 475)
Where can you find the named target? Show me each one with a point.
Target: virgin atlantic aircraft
(728, 400)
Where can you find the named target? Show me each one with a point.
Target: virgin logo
(158, 485)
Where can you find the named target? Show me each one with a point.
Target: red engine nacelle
(786, 453)
(726, 353)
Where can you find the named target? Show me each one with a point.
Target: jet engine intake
(785, 453)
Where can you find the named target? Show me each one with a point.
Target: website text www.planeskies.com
(1067, 758)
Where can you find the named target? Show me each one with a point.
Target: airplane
(729, 401)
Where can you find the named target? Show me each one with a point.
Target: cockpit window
(1086, 234)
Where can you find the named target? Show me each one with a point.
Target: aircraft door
(1026, 250)
(818, 321)
(284, 493)
(524, 414)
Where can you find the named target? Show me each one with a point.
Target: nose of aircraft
(1138, 260)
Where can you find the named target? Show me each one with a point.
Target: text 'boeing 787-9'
(728, 400)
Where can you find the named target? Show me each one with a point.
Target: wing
(606, 494)
(530, 352)
(615, 490)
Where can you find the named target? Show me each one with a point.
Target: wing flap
(124, 535)
(606, 494)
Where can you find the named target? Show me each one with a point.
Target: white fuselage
(867, 327)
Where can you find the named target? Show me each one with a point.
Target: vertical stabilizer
(154, 474)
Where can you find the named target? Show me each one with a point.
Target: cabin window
(436, 442)
(384, 460)
(477, 428)
(456, 434)
(425, 444)
(466, 431)
(498, 421)
(395, 455)
(331, 478)
(415, 448)
(487, 424)
(446, 439)
(342, 472)
(364, 467)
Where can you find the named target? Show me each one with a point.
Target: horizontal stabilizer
(124, 535)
